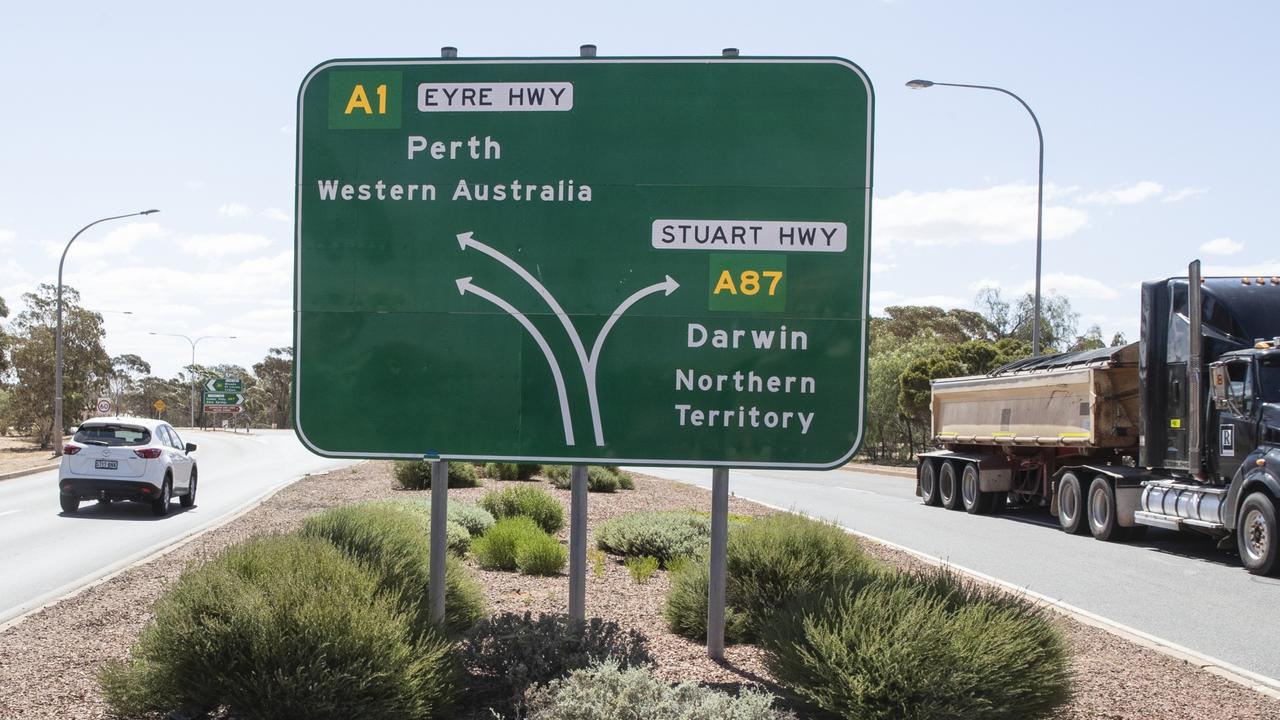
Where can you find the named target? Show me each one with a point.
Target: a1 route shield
(649, 261)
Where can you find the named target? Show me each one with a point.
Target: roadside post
(584, 261)
(439, 538)
(578, 507)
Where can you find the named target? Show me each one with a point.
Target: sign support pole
(439, 519)
(578, 543)
(719, 552)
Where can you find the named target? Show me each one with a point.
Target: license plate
(106, 464)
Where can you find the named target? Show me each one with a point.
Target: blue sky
(1158, 118)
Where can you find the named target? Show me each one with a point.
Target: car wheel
(160, 506)
(976, 502)
(70, 503)
(1257, 536)
(949, 486)
(929, 483)
(1102, 511)
(189, 499)
(1071, 505)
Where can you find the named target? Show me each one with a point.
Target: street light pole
(57, 372)
(191, 400)
(1035, 322)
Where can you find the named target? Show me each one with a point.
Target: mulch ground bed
(48, 662)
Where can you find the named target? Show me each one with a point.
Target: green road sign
(219, 398)
(646, 260)
(221, 385)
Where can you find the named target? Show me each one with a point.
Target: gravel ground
(48, 661)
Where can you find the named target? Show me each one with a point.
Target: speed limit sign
(103, 406)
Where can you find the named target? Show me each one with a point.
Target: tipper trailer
(1180, 430)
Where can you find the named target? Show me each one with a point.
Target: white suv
(126, 458)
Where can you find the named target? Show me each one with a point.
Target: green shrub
(463, 475)
(557, 474)
(474, 518)
(641, 568)
(528, 502)
(508, 653)
(471, 517)
(540, 554)
(511, 471)
(625, 481)
(685, 608)
(596, 557)
(396, 545)
(497, 549)
(282, 626)
(416, 474)
(599, 479)
(780, 557)
(607, 692)
(665, 535)
(771, 561)
(920, 647)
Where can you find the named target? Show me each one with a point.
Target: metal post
(1035, 320)
(439, 539)
(587, 51)
(719, 551)
(729, 52)
(578, 543)
(191, 392)
(449, 52)
(55, 434)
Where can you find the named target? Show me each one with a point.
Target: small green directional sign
(597, 260)
(224, 385)
(218, 398)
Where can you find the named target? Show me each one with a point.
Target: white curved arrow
(667, 287)
(465, 286)
(588, 362)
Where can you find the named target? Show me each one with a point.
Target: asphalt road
(45, 554)
(1177, 587)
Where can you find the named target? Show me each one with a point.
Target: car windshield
(1269, 380)
(112, 435)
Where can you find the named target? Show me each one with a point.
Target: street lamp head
(919, 84)
(148, 212)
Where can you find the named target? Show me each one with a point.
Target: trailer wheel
(929, 483)
(1257, 536)
(1071, 509)
(1102, 511)
(949, 486)
(975, 501)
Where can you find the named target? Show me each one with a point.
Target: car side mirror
(191, 447)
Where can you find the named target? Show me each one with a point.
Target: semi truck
(1180, 430)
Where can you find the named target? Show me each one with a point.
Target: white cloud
(233, 210)
(881, 267)
(999, 215)
(276, 214)
(1075, 287)
(1183, 194)
(1265, 268)
(7, 237)
(1222, 246)
(221, 245)
(1140, 191)
(119, 241)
